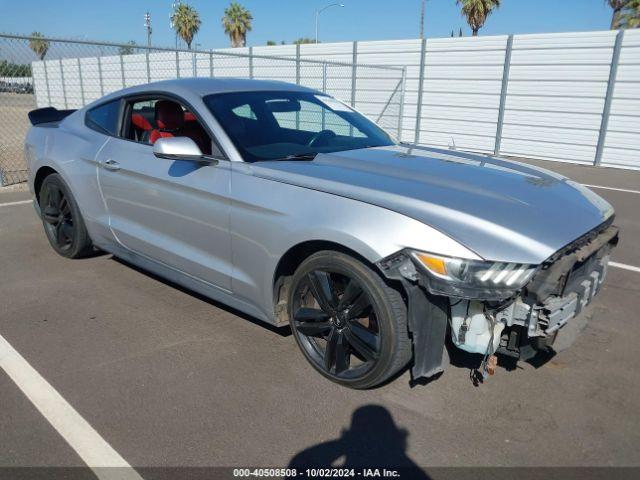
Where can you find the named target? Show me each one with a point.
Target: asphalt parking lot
(167, 378)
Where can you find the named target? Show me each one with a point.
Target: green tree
(626, 13)
(186, 22)
(128, 48)
(303, 41)
(631, 14)
(236, 23)
(8, 69)
(270, 43)
(477, 12)
(39, 45)
(616, 17)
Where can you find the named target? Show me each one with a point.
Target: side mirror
(180, 148)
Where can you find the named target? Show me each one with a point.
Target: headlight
(473, 278)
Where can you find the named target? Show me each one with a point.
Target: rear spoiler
(47, 115)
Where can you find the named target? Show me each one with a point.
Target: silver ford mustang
(292, 207)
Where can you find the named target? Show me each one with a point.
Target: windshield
(292, 125)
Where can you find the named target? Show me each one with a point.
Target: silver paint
(222, 229)
(176, 147)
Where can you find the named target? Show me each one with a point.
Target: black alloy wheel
(57, 216)
(63, 223)
(337, 310)
(348, 323)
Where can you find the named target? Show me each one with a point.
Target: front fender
(268, 218)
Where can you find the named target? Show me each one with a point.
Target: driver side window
(150, 119)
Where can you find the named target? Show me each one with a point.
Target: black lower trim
(427, 318)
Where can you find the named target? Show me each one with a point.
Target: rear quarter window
(104, 118)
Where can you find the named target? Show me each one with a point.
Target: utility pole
(175, 4)
(147, 24)
(424, 2)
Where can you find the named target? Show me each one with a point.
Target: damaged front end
(491, 307)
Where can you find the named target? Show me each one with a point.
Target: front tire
(61, 218)
(350, 325)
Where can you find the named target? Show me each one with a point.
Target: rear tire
(349, 324)
(61, 218)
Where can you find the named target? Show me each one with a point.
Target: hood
(502, 210)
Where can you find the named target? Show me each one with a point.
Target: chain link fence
(68, 74)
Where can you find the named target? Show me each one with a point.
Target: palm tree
(631, 14)
(236, 23)
(626, 13)
(616, 17)
(477, 12)
(186, 22)
(39, 45)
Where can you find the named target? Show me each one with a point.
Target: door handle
(111, 165)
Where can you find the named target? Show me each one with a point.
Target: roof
(205, 86)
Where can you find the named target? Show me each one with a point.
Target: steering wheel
(323, 135)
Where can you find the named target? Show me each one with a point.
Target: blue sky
(122, 20)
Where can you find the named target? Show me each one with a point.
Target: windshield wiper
(300, 156)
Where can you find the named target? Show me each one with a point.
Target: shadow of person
(373, 441)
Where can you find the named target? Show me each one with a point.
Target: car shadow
(373, 441)
(95, 252)
(283, 331)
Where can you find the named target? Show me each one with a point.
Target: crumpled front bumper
(560, 292)
(566, 283)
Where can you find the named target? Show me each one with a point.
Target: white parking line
(21, 202)
(611, 188)
(624, 266)
(77, 432)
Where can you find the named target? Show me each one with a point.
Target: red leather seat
(169, 119)
(172, 121)
(140, 122)
(141, 127)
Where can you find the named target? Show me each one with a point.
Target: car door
(175, 212)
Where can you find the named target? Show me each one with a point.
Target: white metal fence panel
(554, 101)
(397, 53)
(461, 92)
(567, 96)
(622, 140)
(556, 95)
